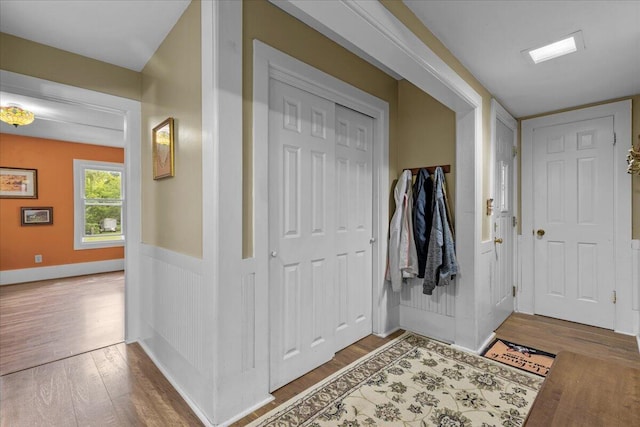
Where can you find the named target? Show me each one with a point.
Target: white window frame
(79, 168)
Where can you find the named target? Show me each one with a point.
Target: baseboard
(10, 277)
(638, 339)
(387, 333)
(484, 344)
(246, 412)
(201, 416)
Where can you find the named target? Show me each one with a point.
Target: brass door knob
(498, 240)
(540, 232)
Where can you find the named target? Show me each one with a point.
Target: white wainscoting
(175, 327)
(429, 315)
(23, 275)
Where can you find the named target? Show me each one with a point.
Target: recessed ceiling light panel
(569, 44)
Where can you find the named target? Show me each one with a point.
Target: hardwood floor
(113, 386)
(41, 322)
(119, 385)
(553, 336)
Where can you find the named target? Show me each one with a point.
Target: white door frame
(271, 63)
(499, 113)
(369, 30)
(626, 319)
(130, 111)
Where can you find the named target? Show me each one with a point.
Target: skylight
(567, 45)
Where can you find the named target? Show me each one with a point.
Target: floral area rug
(413, 381)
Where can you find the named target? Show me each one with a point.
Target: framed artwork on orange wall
(163, 156)
(18, 183)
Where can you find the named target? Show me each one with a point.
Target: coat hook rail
(431, 169)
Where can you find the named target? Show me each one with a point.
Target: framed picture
(36, 216)
(162, 140)
(17, 183)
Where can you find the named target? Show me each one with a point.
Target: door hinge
(514, 291)
(514, 221)
(615, 138)
(514, 151)
(614, 298)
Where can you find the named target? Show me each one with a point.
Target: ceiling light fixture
(16, 116)
(569, 44)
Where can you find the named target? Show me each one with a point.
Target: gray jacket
(441, 265)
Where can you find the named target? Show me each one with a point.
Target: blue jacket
(422, 209)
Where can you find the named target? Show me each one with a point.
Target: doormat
(519, 356)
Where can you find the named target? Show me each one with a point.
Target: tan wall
(171, 87)
(409, 19)
(269, 24)
(635, 139)
(426, 133)
(37, 60)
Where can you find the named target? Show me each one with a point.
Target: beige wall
(171, 87)
(407, 17)
(635, 139)
(426, 133)
(269, 24)
(37, 60)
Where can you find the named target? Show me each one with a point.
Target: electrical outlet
(38, 259)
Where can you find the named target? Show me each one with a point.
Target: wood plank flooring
(553, 336)
(41, 322)
(113, 386)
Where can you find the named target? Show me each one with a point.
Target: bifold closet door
(320, 208)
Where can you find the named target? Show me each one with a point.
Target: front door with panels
(320, 211)
(503, 223)
(573, 220)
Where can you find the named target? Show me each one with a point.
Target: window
(99, 204)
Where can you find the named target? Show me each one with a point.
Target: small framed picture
(17, 183)
(36, 216)
(162, 140)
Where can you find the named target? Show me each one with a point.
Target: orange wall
(54, 162)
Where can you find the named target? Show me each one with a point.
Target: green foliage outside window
(103, 202)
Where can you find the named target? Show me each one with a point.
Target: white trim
(247, 411)
(482, 346)
(130, 111)
(79, 168)
(621, 112)
(269, 62)
(387, 333)
(194, 265)
(196, 410)
(23, 275)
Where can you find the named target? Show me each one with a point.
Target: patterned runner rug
(413, 381)
(519, 356)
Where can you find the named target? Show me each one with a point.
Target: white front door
(320, 208)
(573, 221)
(502, 284)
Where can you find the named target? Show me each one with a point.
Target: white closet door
(301, 231)
(353, 208)
(573, 216)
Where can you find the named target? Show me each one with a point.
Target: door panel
(502, 283)
(354, 193)
(301, 170)
(573, 206)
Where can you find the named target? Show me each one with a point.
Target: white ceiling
(488, 37)
(124, 33)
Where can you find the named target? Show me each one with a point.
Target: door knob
(540, 232)
(498, 240)
(274, 254)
